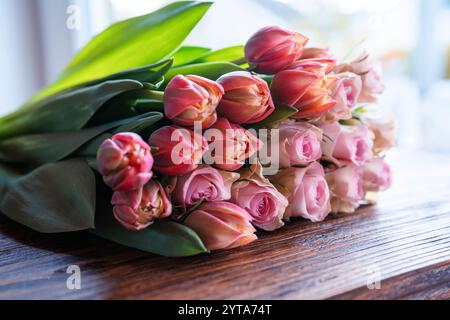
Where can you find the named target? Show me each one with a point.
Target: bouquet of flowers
(180, 150)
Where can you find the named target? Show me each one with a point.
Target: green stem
(155, 95)
(239, 61)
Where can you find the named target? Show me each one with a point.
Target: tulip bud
(137, 209)
(179, 150)
(125, 162)
(247, 98)
(231, 145)
(190, 99)
(272, 49)
(221, 225)
(305, 86)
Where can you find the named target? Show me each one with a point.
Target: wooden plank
(405, 240)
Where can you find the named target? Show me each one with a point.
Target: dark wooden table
(402, 245)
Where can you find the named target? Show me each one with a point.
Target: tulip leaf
(66, 112)
(57, 197)
(229, 54)
(131, 44)
(187, 54)
(164, 237)
(282, 112)
(7, 172)
(43, 148)
(210, 70)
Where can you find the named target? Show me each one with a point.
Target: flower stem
(239, 61)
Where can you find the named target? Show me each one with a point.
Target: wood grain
(405, 239)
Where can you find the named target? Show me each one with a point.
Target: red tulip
(190, 99)
(272, 49)
(247, 98)
(306, 86)
(125, 162)
(179, 150)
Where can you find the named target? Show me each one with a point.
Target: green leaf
(164, 237)
(130, 44)
(43, 148)
(7, 172)
(282, 112)
(187, 54)
(210, 70)
(229, 54)
(65, 112)
(57, 197)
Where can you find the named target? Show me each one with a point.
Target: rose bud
(190, 99)
(230, 145)
(272, 49)
(377, 175)
(203, 184)
(221, 225)
(305, 86)
(137, 209)
(346, 186)
(307, 192)
(299, 144)
(260, 198)
(347, 144)
(179, 150)
(247, 98)
(346, 94)
(383, 125)
(371, 75)
(125, 162)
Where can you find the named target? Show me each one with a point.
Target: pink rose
(137, 209)
(346, 94)
(179, 150)
(347, 144)
(384, 126)
(125, 162)
(346, 186)
(231, 145)
(260, 198)
(203, 184)
(221, 225)
(307, 192)
(377, 175)
(371, 75)
(272, 49)
(247, 98)
(299, 144)
(190, 99)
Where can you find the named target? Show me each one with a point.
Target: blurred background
(410, 37)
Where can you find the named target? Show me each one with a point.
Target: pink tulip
(203, 184)
(347, 144)
(247, 98)
(137, 209)
(307, 192)
(377, 175)
(260, 198)
(384, 127)
(179, 150)
(306, 86)
(371, 75)
(299, 144)
(221, 225)
(272, 49)
(346, 186)
(231, 144)
(125, 162)
(191, 99)
(316, 53)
